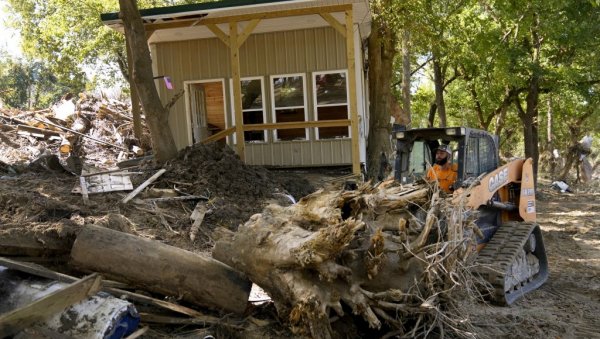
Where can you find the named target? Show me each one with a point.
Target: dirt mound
(235, 190)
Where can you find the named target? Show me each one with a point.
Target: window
(289, 104)
(420, 158)
(253, 109)
(472, 163)
(487, 156)
(331, 102)
(481, 155)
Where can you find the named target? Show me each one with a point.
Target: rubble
(336, 253)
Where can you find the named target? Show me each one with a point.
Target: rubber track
(495, 259)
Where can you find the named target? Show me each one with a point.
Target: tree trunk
(438, 79)
(161, 268)
(157, 116)
(382, 42)
(406, 72)
(431, 115)
(529, 115)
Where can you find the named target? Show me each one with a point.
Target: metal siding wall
(286, 154)
(301, 51)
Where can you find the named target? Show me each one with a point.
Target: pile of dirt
(235, 190)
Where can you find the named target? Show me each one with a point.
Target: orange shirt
(445, 176)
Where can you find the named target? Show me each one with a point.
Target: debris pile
(97, 129)
(389, 255)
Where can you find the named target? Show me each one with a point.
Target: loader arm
(518, 172)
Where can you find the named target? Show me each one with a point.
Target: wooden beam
(149, 33)
(219, 136)
(237, 88)
(352, 91)
(49, 305)
(297, 124)
(219, 33)
(334, 23)
(247, 31)
(142, 186)
(246, 17)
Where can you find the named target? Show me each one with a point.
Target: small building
(285, 76)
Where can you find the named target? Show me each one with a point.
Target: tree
(382, 50)
(70, 38)
(157, 115)
(544, 45)
(31, 84)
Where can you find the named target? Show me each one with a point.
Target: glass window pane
(251, 94)
(331, 88)
(472, 162)
(288, 91)
(419, 158)
(486, 154)
(333, 113)
(290, 115)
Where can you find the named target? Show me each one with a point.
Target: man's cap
(444, 148)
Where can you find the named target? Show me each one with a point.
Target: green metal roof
(203, 6)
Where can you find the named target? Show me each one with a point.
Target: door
(206, 108)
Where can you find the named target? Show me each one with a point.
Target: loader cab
(473, 151)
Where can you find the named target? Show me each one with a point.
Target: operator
(444, 171)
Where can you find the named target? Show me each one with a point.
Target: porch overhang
(188, 22)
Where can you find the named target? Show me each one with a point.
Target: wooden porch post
(352, 91)
(237, 88)
(135, 101)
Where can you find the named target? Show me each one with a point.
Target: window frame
(274, 108)
(316, 105)
(264, 109)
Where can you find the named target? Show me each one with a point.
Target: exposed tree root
(391, 254)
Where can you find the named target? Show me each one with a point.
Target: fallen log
(161, 268)
(16, 242)
(380, 252)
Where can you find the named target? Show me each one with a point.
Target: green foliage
(29, 85)
(70, 38)
(492, 46)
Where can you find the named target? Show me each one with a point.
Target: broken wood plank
(161, 268)
(142, 299)
(39, 310)
(37, 132)
(197, 217)
(84, 191)
(47, 273)
(163, 319)
(112, 171)
(185, 197)
(112, 287)
(138, 333)
(81, 134)
(142, 186)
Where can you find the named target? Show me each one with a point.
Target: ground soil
(39, 201)
(568, 305)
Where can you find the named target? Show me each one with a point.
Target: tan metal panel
(295, 154)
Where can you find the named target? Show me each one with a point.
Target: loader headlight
(456, 131)
(399, 135)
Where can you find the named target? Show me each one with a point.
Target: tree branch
(174, 99)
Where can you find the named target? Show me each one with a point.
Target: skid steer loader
(511, 254)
